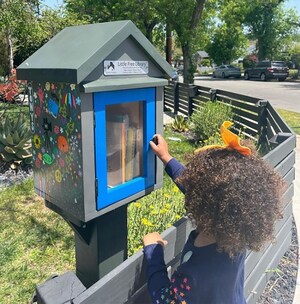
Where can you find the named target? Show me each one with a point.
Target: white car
(226, 71)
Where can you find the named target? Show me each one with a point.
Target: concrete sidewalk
(296, 213)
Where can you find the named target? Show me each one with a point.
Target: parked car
(267, 69)
(175, 76)
(226, 71)
(180, 70)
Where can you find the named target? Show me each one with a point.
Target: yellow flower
(146, 222)
(175, 189)
(151, 207)
(166, 195)
(167, 206)
(177, 217)
(154, 212)
(164, 210)
(137, 205)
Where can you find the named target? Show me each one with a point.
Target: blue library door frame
(108, 196)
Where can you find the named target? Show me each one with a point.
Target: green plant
(180, 124)
(294, 74)
(206, 121)
(15, 141)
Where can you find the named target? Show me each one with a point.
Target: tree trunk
(168, 44)
(188, 75)
(10, 50)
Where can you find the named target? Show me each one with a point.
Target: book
(116, 127)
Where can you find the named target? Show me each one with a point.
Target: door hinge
(96, 188)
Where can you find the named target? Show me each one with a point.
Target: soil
(281, 287)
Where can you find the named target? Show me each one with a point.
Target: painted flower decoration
(37, 141)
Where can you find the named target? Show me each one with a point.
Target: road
(282, 95)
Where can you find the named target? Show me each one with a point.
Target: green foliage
(180, 123)
(206, 122)
(143, 13)
(270, 25)
(294, 74)
(154, 212)
(250, 61)
(15, 141)
(228, 43)
(206, 62)
(295, 55)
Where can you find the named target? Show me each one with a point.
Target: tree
(143, 13)
(151, 16)
(26, 27)
(228, 40)
(270, 25)
(228, 43)
(14, 18)
(184, 16)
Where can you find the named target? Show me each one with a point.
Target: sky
(293, 4)
(52, 3)
(289, 4)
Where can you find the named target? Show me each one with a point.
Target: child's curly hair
(234, 198)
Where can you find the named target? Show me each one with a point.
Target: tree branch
(198, 9)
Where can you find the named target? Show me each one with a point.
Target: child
(234, 198)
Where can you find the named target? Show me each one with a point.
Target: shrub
(206, 122)
(250, 61)
(10, 88)
(294, 74)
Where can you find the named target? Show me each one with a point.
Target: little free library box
(96, 100)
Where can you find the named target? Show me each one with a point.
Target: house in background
(199, 57)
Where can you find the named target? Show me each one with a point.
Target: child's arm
(161, 289)
(173, 167)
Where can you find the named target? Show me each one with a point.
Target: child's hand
(154, 238)
(161, 148)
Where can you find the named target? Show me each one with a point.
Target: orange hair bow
(231, 141)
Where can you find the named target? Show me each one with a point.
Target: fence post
(213, 94)
(262, 119)
(192, 93)
(176, 97)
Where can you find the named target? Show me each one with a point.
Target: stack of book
(123, 150)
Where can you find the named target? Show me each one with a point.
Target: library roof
(73, 53)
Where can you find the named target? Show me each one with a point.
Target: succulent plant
(180, 124)
(15, 141)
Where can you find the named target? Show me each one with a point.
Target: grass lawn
(291, 118)
(34, 243)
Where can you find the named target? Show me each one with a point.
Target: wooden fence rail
(259, 121)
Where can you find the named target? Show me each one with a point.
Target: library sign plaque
(125, 67)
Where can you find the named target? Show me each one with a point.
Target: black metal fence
(258, 120)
